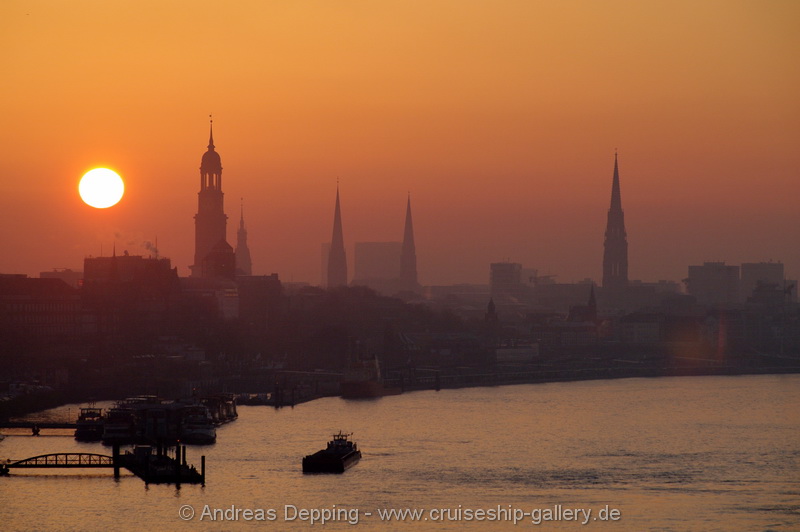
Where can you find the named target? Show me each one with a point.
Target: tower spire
(615, 254)
(408, 257)
(244, 264)
(211, 248)
(337, 260)
(616, 198)
(210, 133)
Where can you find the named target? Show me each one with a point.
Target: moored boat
(362, 380)
(340, 455)
(119, 426)
(197, 426)
(89, 426)
(222, 407)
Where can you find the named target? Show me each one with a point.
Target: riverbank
(297, 388)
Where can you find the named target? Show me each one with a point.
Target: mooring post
(203, 469)
(178, 465)
(115, 459)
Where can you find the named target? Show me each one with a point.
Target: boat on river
(89, 426)
(149, 420)
(197, 425)
(340, 455)
(362, 380)
(119, 426)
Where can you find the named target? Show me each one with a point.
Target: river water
(684, 453)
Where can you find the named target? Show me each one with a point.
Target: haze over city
(500, 119)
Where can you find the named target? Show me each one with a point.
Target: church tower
(210, 222)
(244, 265)
(337, 260)
(615, 255)
(408, 257)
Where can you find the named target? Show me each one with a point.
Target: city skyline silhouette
(500, 123)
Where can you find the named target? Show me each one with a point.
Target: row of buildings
(129, 300)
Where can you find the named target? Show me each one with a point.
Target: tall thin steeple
(408, 257)
(337, 260)
(210, 222)
(615, 255)
(244, 264)
(616, 197)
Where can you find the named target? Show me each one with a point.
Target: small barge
(340, 455)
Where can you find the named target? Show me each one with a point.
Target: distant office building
(377, 263)
(530, 277)
(129, 294)
(39, 308)
(615, 254)
(390, 268)
(101, 272)
(337, 259)
(714, 283)
(755, 273)
(505, 280)
(213, 256)
(72, 278)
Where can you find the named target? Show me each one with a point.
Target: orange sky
(500, 117)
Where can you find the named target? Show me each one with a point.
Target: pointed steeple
(210, 133)
(244, 264)
(337, 260)
(408, 258)
(408, 233)
(337, 239)
(615, 254)
(616, 198)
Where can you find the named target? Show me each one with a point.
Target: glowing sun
(101, 188)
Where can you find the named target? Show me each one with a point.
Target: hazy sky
(499, 117)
